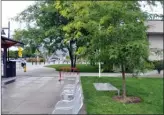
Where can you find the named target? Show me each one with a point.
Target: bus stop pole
(5, 62)
(8, 37)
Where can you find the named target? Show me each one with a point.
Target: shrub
(29, 60)
(149, 65)
(42, 60)
(107, 68)
(158, 64)
(35, 59)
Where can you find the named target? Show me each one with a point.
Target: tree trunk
(71, 58)
(75, 59)
(74, 65)
(123, 81)
(71, 54)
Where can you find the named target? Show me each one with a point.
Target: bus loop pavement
(34, 92)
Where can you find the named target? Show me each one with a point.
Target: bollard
(32, 62)
(25, 68)
(59, 75)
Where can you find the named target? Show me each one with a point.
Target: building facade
(155, 36)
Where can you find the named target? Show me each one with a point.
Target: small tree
(122, 38)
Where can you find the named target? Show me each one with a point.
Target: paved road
(34, 92)
(30, 66)
(38, 72)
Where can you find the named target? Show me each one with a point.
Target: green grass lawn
(81, 67)
(150, 90)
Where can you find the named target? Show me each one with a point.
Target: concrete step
(6, 81)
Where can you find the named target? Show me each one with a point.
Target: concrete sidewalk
(32, 95)
(38, 72)
(29, 66)
(147, 74)
(34, 92)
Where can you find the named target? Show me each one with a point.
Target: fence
(67, 72)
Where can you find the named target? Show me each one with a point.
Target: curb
(8, 80)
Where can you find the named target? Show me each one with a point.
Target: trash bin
(11, 69)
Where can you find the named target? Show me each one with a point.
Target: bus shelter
(7, 64)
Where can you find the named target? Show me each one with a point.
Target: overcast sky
(12, 8)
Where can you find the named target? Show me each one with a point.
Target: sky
(12, 8)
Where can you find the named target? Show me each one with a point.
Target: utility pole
(5, 50)
(8, 37)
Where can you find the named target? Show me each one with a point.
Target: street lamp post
(3, 33)
(99, 53)
(5, 50)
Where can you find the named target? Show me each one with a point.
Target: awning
(6, 42)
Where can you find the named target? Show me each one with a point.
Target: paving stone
(10, 104)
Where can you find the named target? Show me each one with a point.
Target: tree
(121, 36)
(45, 28)
(76, 32)
(31, 38)
(13, 54)
(151, 4)
(62, 28)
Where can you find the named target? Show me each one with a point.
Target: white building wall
(156, 41)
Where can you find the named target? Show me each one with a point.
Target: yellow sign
(19, 51)
(19, 54)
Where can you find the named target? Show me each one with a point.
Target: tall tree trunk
(71, 58)
(71, 54)
(123, 81)
(49, 56)
(75, 61)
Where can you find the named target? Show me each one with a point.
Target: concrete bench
(106, 87)
(72, 106)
